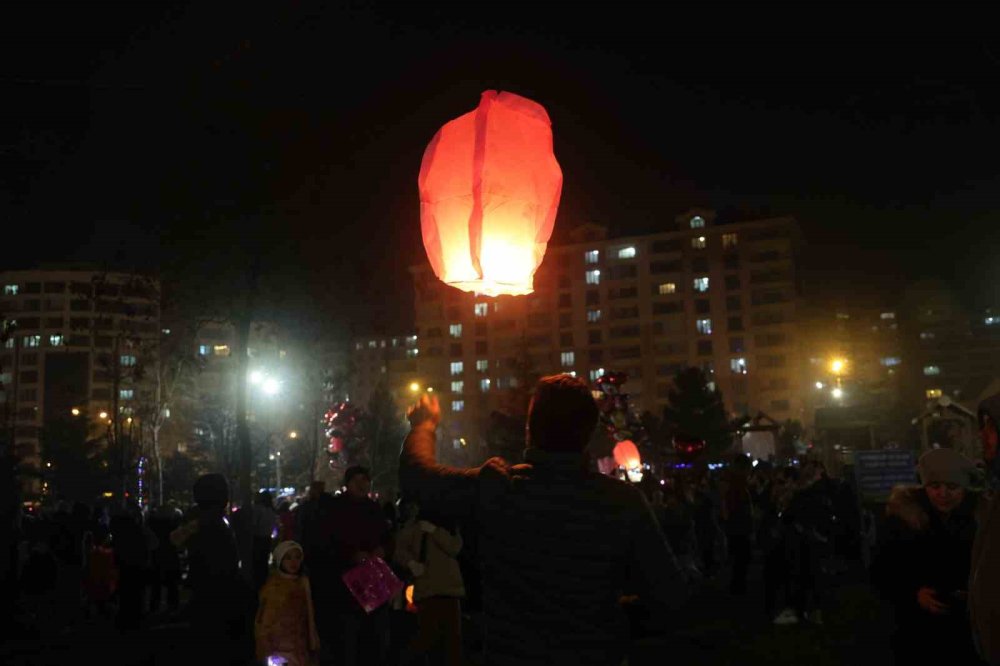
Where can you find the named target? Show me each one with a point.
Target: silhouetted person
(218, 604)
(559, 545)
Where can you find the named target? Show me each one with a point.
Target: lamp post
(276, 457)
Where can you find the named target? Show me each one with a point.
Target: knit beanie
(283, 549)
(946, 466)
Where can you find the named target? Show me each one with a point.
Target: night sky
(135, 132)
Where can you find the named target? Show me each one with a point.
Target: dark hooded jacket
(923, 550)
(984, 580)
(558, 546)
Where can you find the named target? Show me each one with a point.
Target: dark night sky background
(133, 132)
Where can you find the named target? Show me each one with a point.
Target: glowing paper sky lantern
(489, 191)
(627, 455)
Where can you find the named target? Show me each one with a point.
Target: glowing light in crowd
(489, 191)
(627, 455)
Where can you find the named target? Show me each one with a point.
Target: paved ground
(716, 629)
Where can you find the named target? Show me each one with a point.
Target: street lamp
(293, 435)
(414, 387)
(276, 457)
(103, 415)
(270, 386)
(837, 365)
(256, 377)
(837, 393)
(75, 411)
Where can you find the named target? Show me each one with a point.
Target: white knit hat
(283, 549)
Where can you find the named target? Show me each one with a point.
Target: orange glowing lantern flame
(627, 455)
(489, 191)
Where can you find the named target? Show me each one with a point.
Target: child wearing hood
(286, 624)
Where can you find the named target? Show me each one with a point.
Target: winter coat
(558, 546)
(285, 623)
(984, 583)
(923, 550)
(442, 576)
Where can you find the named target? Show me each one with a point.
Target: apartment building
(722, 297)
(73, 337)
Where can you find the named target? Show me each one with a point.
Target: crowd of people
(542, 562)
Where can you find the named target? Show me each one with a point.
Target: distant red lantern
(627, 455)
(489, 190)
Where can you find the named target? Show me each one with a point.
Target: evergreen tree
(385, 427)
(696, 412)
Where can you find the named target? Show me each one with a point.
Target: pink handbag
(372, 583)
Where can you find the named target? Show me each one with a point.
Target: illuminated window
(484, 385)
(455, 330)
(930, 370)
(596, 374)
(698, 242)
(32, 340)
(593, 315)
(738, 365)
(10, 290)
(482, 365)
(626, 252)
(481, 309)
(888, 315)
(411, 340)
(591, 256)
(457, 405)
(567, 358)
(926, 335)
(933, 393)
(382, 344)
(701, 284)
(667, 288)
(704, 326)
(126, 394)
(412, 353)
(889, 361)
(57, 340)
(697, 222)
(594, 277)
(128, 360)
(373, 344)
(729, 241)
(457, 387)
(220, 350)
(358, 345)
(992, 321)
(456, 368)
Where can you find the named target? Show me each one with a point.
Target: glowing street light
(837, 393)
(837, 365)
(819, 385)
(293, 435)
(270, 386)
(103, 415)
(414, 387)
(75, 411)
(256, 377)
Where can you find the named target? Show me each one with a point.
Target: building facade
(724, 298)
(74, 339)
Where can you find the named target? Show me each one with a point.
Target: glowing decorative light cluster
(489, 191)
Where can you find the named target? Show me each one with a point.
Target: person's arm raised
(451, 490)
